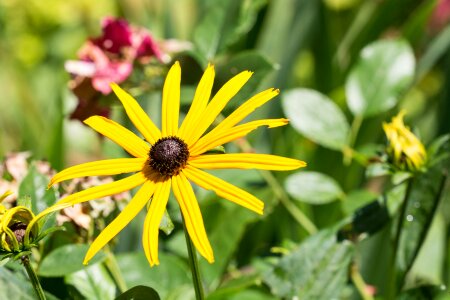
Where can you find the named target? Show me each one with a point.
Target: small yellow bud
(404, 149)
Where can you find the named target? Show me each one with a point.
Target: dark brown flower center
(169, 155)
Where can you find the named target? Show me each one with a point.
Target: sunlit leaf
(170, 276)
(66, 259)
(384, 70)
(93, 282)
(317, 117)
(318, 269)
(313, 187)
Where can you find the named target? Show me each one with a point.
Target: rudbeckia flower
(405, 150)
(173, 157)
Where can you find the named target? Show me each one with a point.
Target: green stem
(359, 283)
(33, 277)
(113, 267)
(292, 209)
(356, 125)
(392, 291)
(193, 264)
(110, 262)
(280, 193)
(295, 212)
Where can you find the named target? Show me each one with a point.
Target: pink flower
(105, 59)
(440, 16)
(117, 34)
(105, 70)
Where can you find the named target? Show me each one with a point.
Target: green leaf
(248, 60)
(383, 71)
(34, 185)
(437, 48)
(166, 224)
(422, 203)
(66, 259)
(139, 292)
(93, 282)
(317, 117)
(171, 275)
(14, 286)
(317, 269)
(313, 187)
(225, 23)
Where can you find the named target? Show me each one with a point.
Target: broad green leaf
(93, 282)
(313, 187)
(437, 48)
(225, 23)
(14, 287)
(356, 199)
(248, 60)
(34, 185)
(66, 259)
(423, 200)
(171, 275)
(425, 269)
(317, 117)
(139, 292)
(383, 71)
(317, 269)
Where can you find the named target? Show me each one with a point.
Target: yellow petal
(97, 192)
(208, 142)
(137, 115)
(245, 161)
(219, 101)
(201, 98)
(224, 189)
(245, 109)
(153, 220)
(192, 215)
(171, 101)
(100, 168)
(120, 135)
(129, 213)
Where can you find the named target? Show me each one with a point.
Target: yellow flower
(13, 225)
(173, 157)
(405, 149)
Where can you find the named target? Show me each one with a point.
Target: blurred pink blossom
(440, 16)
(108, 58)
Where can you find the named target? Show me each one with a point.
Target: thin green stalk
(113, 267)
(392, 291)
(348, 151)
(111, 262)
(295, 212)
(33, 277)
(359, 283)
(193, 264)
(280, 193)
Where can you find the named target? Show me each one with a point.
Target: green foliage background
(343, 66)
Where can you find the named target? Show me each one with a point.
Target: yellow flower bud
(404, 149)
(13, 226)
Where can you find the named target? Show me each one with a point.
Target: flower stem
(359, 283)
(113, 267)
(280, 193)
(33, 277)
(392, 291)
(356, 125)
(193, 264)
(295, 212)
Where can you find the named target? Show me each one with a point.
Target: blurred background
(290, 44)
